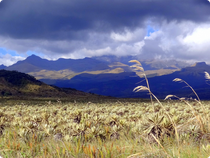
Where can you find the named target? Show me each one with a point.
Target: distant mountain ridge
(122, 85)
(68, 68)
(147, 64)
(34, 63)
(112, 76)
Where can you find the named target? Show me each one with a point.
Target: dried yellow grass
(169, 96)
(135, 61)
(137, 67)
(140, 88)
(178, 80)
(207, 76)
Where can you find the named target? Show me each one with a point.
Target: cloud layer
(76, 29)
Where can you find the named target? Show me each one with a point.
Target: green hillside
(17, 84)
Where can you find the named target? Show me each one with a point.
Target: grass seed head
(177, 80)
(141, 88)
(183, 98)
(168, 96)
(207, 76)
(135, 61)
(137, 67)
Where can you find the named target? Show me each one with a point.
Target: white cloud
(122, 37)
(8, 59)
(198, 41)
(180, 40)
(128, 35)
(153, 35)
(129, 49)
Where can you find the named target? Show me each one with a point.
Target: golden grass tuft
(135, 61)
(207, 76)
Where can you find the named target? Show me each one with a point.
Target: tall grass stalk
(198, 99)
(198, 117)
(180, 80)
(138, 66)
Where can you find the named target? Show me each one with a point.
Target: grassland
(106, 129)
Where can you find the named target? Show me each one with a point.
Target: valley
(106, 75)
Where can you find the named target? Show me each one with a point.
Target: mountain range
(112, 76)
(122, 84)
(68, 68)
(34, 64)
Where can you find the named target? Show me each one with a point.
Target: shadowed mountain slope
(122, 84)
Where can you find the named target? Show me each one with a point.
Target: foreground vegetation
(109, 129)
(124, 128)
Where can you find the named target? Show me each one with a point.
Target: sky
(150, 29)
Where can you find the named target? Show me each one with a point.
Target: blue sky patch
(4, 51)
(150, 30)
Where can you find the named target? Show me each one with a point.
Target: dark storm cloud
(74, 19)
(160, 29)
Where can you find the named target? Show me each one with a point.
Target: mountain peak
(199, 64)
(33, 57)
(2, 66)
